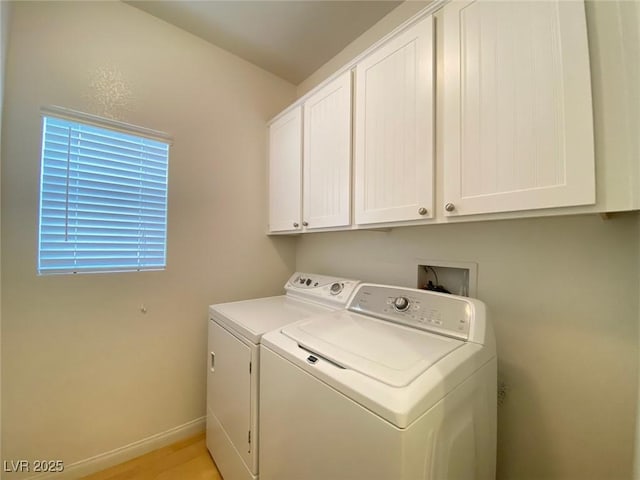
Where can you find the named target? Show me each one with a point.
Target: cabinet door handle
(295, 224)
(305, 224)
(449, 207)
(213, 361)
(422, 211)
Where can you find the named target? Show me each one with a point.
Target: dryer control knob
(401, 304)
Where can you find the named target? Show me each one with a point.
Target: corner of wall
(5, 12)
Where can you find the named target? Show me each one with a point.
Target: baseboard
(122, 454)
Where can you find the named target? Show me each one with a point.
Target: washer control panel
(436, 312)
(321, 287)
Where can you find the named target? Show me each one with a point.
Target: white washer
(400, 386)
(235, 330)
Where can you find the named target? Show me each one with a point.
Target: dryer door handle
(213, 361)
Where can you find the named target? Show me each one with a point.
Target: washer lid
(390, 353)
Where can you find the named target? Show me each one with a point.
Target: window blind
(103, 199)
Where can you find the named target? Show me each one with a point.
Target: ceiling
(291, 39)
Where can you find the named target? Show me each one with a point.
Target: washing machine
(234, 334)
(401, 385)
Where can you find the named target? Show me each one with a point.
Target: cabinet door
(229, 389)
(285, 169)
(394, 129)
(327, 155)
(518, 126)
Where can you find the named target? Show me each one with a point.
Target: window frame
(94, 121)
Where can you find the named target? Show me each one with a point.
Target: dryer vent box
(458, 278)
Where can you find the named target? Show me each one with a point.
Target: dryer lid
(390, 353)
(253, 318)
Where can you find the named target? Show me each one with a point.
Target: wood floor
(185, 460)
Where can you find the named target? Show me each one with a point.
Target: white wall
(83, 370)
(562, 292)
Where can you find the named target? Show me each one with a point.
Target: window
(103, 195)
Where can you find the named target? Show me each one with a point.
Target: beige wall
(562, 292)
(630, 19)
(5, 13)
(83, 370)
(636, 458)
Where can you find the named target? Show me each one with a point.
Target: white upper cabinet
(327, 156)
(285, 174)
(514, 126)
(394, 106)
(518, 122)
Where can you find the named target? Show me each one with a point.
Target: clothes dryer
(235, 331)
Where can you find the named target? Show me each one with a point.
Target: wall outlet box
(458, 278)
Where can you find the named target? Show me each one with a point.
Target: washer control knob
(336, 288)
(401, 304)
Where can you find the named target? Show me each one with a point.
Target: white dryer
(235, 331)
(401, 386)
